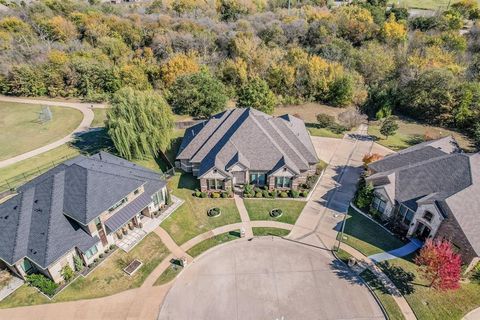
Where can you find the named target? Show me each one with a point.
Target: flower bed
(99, 260)
(276, 213)
(213, 194)
(214, 212)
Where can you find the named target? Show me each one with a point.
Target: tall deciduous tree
(198, 94)
(440, 264)
(256, 94)
(140, 123)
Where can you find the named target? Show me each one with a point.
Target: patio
(149, 224)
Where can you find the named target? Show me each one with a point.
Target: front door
(238, 177)
(422, 232)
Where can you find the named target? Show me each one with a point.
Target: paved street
(268, 278)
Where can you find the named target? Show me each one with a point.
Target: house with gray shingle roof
(431, 190)
(241, 146)
(77, 209)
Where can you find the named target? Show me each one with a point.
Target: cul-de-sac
(239, 159)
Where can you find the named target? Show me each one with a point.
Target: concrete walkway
(85, 108)
(410, 247)
(243, 215)
(473, 315)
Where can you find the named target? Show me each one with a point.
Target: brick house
(241, 146)
(76, 209)
(431, 190)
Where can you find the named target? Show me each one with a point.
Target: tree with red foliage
(440, 264)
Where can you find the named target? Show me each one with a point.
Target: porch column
(203, 185)
(271, 183)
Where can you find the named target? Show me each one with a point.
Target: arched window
(428, 216)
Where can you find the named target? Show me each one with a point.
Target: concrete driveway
(268, 278)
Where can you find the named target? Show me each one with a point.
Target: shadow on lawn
(93, 141)
(402, 279)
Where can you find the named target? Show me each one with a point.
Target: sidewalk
(244, 216)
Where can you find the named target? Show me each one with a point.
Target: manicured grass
(100, 117)
(343, 255)
(168, 275)
(308, 111)
(266, 231)
(24, 296)
(323, 132)
(391, 307)
(425, 4)
(259, 209)
(21, 131)
(428, 303)
(191, 218)
(366, 236)
(109, 277)
(410, 133)
(203, 246)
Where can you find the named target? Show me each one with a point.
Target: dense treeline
(257, 52)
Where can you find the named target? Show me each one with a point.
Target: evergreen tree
(389, 127)
(140, 123)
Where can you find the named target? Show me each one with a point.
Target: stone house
(76, 209)
(246, 146)
(431, 190)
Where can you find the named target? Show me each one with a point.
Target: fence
(13, 182)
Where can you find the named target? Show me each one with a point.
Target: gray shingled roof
(449, 180)
(33, 223)
(257, 138)
(420, 152)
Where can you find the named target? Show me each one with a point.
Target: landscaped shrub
(214, 212)
(304, 193)
(325, 120)
(95, 260)
(197, 193)
(78, 262)
(274, 193)
(224, 195)
(364, 195)
(295, 194)
(283, 194)
(203, 194)
(265, 194)
(67, 273)
(311, 180)
(215, 195)
(100, 255)
(337, 128)
(275, 213)
(258, 194)
(43, 283)
(112, 246)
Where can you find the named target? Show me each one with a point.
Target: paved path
(322, 217)
(410, 247)
(473, 315)
(268, 278)
(84, 125)
(243, 215)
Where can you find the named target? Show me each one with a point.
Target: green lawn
(391, 307)
(107, 279)
(203, 246)
(168, 275)
(324, 132)
(21, 132)
(100, 117)
(366, 236)
(424, 4)
(191, 218)
(259, 209)
(410, 133)
(266, 231)
(428, 303)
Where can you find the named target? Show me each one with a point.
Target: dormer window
(428, 216)
(118, 204)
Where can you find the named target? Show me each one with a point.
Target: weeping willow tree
(140, 123)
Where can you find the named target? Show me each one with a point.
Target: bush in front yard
(203, 194)
(283, 194)
(67, 273)
(295, 194)
(215, 195)
(43, 283)
(197, 193)
(258, 194)
(266, 194)
(78, 262)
